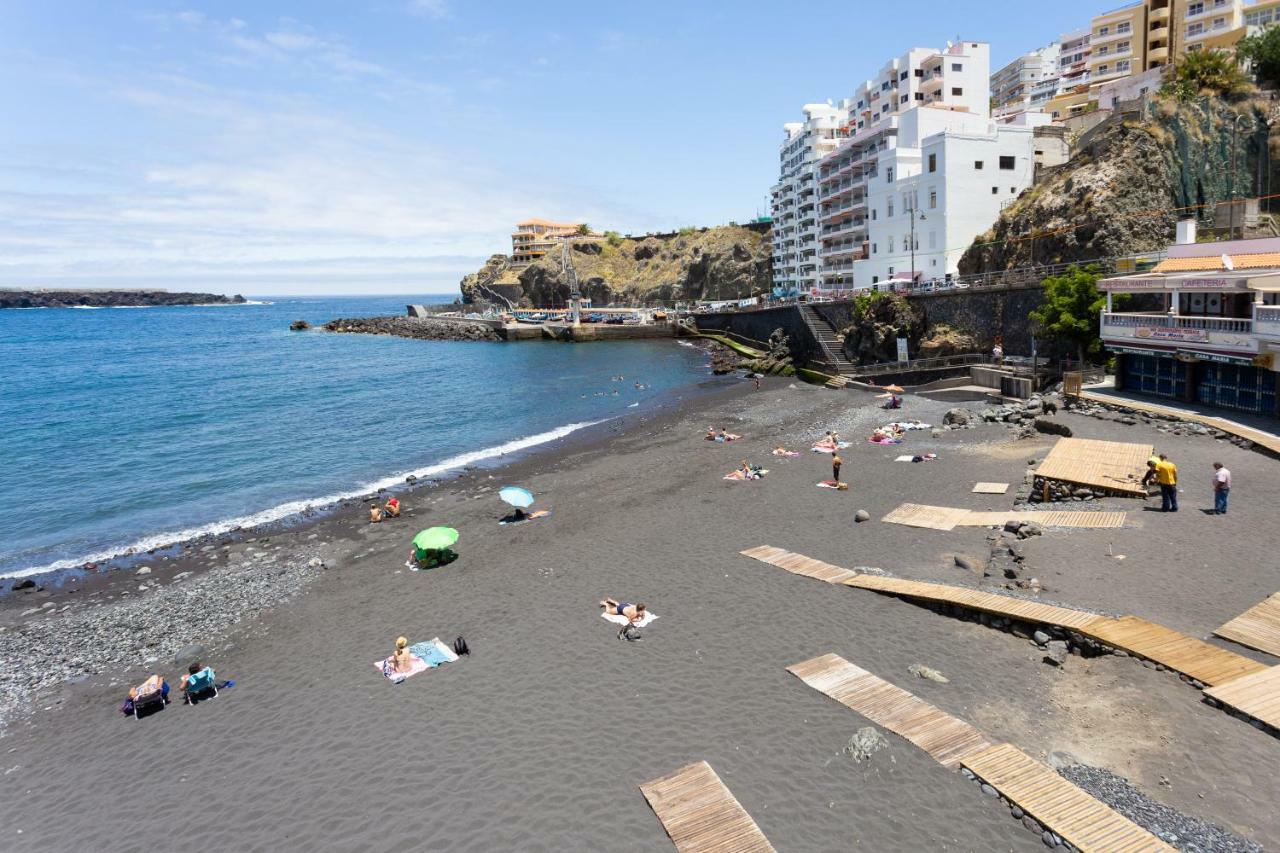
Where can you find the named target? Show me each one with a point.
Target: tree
(1263, 54)
(584, 230)
(1071, 309)
(1214, 72)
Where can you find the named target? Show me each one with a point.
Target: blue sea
(137, 428)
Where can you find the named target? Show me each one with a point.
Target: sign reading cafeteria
(1161, 333)
(1172, 283)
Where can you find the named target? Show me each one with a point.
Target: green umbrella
(435, 538)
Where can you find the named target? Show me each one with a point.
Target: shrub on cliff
(1262, 52)
(1070, 311)
(877, 321)
(1207, 72)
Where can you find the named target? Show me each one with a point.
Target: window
(1102, 51)
(884, 87)
(1007, 162)
(1122, 66)
(919, 72)
(933, 199)
(977, 164)
(1192, 48)
(995, 190)
(1121, 29)
(902, 76)
(1219, 23)
(1104, 30)
(1103, 69)
(933, 162)
(875, 248)
(890, 250)
(860, 105)
(957, 91)
(904, 99)
(919, 96)
(889, 211)
(1194, 29)
(1196, 8)
(1013, 190)
(873, 213)
(956, 66)
(888, 175)
(1122, 47)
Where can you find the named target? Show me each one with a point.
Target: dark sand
(539, 740)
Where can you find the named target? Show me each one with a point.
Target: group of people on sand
(1162, 472)
(155, 688)
(380, 513)
(887, 434)
(721, 435)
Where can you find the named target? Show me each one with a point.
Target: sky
(273, 148)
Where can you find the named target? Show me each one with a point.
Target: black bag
(460, 647)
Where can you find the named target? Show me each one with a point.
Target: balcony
(1266, 322)
(1167, 331)
(1160, 33)
(1160, 14)
(1157, 54)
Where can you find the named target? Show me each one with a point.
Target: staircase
(830, 347)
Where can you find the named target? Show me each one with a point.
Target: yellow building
(1118, 42)
(533, 238)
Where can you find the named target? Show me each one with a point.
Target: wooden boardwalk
(1074, 815)
(938, 733)
(1256, 694)
(701, 815)
(948, 518)
(1114, 465)
(1258, 627)
(1268, 440)
(1192, 657)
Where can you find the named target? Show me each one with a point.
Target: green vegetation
(613, 238)
(1212, 72)
(1071, 309)
(584, 230)
(1263, 54)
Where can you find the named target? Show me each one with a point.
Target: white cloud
(438, 9)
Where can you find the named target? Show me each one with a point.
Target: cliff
(726, 262)
(1127, 183)
(108, 298)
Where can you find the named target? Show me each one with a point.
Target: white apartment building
(897, 183)
(794, 197)
(1026, 83)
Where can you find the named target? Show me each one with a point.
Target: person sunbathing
(632, 612)
(192, 672)
(401, 658)
(151, 685)
(375, 514)
(392, 509)
(711, 433)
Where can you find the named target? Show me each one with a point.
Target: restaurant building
(1202, 327)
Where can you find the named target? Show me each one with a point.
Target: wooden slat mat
(798, 564)
(1258, 627)
(1004, 605)
(1059, 805)
(1196, 658)
(1114, 465)
(938, 733)
(947, 518)
(991, 488)
(701, 814)
(1257, 695)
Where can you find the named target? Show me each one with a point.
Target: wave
(294, 508)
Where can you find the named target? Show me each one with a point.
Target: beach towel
(924, 457)
(729, 436)
(649, 616)
(789, 454)
(908, 425)
(533, 516)
(823, 447)
(422, 657)
(832, 484)
(885, 440)
(907, 458)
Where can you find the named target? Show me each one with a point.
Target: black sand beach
(538, 740)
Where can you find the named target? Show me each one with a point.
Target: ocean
(138, 428)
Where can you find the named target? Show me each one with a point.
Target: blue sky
(286, 147)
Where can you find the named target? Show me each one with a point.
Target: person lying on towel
(632, 612)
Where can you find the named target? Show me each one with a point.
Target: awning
(1195, 281)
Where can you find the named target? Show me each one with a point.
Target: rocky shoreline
(109, 298)
(414, 327)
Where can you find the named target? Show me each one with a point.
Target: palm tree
(1213, 72)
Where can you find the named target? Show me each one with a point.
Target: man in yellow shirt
(1167, 477)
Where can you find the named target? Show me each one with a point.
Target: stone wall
(986, 314)
(758, 325)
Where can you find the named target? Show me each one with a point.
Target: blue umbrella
(516, 496)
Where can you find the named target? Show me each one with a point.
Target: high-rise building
(919, 169)
(794, 197)
(1026, 83)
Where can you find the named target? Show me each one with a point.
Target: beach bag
(460, 647)
(630, 632)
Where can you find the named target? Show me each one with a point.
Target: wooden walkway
(1257, 695)
(1195, 658)
(1258, 627)
(938, 733)
(948, 518)
(1114, 465)
(1268, 440)
(1056, 803)
(701, 815)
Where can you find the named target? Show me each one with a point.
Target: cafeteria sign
(1163, 333)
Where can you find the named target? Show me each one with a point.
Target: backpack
(460, 647)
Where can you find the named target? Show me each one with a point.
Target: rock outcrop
(494, 282)
(413, 327)
(878, 320)
(109, 298)
(728, 262)
(1126, 185)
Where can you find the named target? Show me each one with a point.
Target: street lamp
(912, 210)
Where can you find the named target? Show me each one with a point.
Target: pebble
(145, 570)
(989, 791)
(861, 516)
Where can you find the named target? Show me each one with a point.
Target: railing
(922, 364)
(1168, 321)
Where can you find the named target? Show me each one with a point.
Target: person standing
(836, 462)
(1167, 477)
(1221, 488)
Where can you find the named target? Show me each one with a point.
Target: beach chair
(200, 685)
(149, 695)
